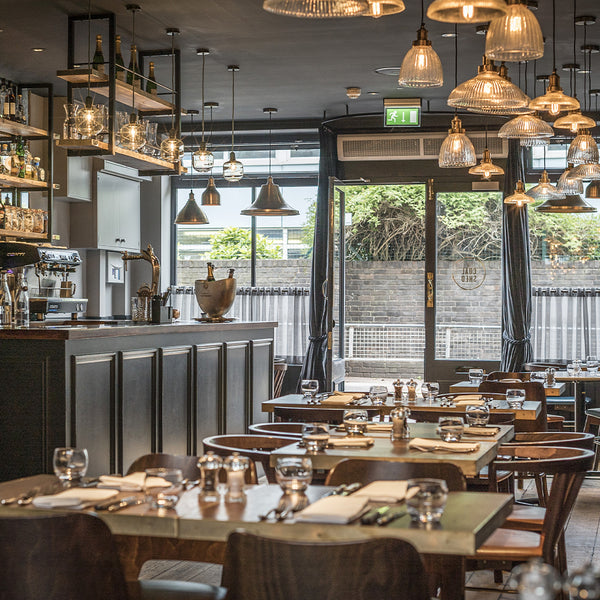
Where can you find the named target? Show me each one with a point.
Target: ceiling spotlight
(585, 20)
(482, 29)
(35, 49)
(353, 92)
(449, 34)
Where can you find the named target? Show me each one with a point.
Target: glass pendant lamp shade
(574, 121)
(203, 159)
(211, 196)
(515, 36)
(554, 100)
(457, 150)
(172, 148)
(133, 134)
(488, 92)
(89, 121)
(569, 204)
(421, 66)
(583, 149)
(466, 11)
(486, 168)
(567, 184)
(544, 189)
(191, 213)
(530, 129)
(269, 202)
(381, 8)
(519, 197)
(588, 171)
(233, 170)
(593, 190)
(317, 9)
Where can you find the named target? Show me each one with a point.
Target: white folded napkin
(74, 498)
(379, 426)
(428, 445)
(481, 431)
(351, 442)
(383, 491)
(333, 509)
(134, 482)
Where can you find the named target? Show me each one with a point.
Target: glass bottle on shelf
(5, 302)
(20, 158)
(5, 160)
(3, 95)
(98, 60)
(36, 168)
(14, 161)
(133, 75)
(69, 130)
(119, 62)
(20, 111)
(22, 306)
(11, 100)
(211, 275)
(151, 83)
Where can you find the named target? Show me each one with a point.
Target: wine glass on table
(309, 388)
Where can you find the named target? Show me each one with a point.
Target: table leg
(446, 573)
(579, 396)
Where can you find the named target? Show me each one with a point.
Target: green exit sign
(402, 113)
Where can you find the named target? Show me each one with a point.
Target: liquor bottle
(98, 60)
(133, 75)
(5, 302)
(20, 157)
(22, 307)
(11, 100)
(3, 95)
(5, 160)
(151, 83)
(210, 276)
(14, 160)
(20, 110)
(231, 272)
(119, 62)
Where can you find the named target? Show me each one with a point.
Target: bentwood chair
(260, 568)
(187, 464)
(279, 371)
(69, 557)
(432, 416)
(506, 547)
(592, 425)
(309, 414)
(277, 429)
(369, 470)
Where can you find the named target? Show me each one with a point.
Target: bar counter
(124, 390)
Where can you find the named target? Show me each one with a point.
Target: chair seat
(510, 544)
(530, 518)
(593, 412)
(157, 589)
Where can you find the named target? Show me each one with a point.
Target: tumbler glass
(70, 464)
(450, 429)
(426, 499)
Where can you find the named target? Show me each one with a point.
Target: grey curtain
(516, 273)
(314, 361)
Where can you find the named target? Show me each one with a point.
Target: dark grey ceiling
(301, 66)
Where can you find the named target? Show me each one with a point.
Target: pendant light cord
(133, 74)
(173, 79)
(573, 78)
(270, 140)
(203, 64)
(554, 34)
(192, 170)
(422, 13)
(455, 61)
(232, 107)
(89, 43)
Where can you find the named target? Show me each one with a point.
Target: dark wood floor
(583, 545)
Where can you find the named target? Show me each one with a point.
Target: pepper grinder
(400, 428)
(210, 464)
(236, 467)
(398, 391)
(412, 391)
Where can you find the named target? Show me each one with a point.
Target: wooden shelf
(13, 128)
(81, 144)
(22, 183)
(28, 235)
(123, 91)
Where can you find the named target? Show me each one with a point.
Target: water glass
(592, 364)
(293, 474)
(315, 436)
(140, 309)
(309, 388)
(477, 415)
(163, 496)
(355, 421)
(430, 390)
(378, 394)
(515, 398)
(450, 429)
(476, 376)
(70, 464)
(426, 499)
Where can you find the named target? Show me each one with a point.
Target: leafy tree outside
(235, 242)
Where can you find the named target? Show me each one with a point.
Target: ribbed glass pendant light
(593, 190)
(270, 202)
(515, 36)
(544, 189)
(466, 11)
(421, 66)
(486, 168)
(583, 149)
(567, 184)
(172, 148)
(233, 170)
(382, 8)
(529, 129)
(203, 159)
(587, 172)
(569, 204)
(519, 197)
(487, 92)
(317, 9)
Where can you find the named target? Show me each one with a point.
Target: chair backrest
(546, 364)
(278, 429)
(502, 375)
(279, 370)
(187, 464)
(59, 557)
(432, 416)
(258, 448)
(568, 467)
(259, 568)
(308, 414)
(534, 391)
(567, 439)
(368, 470)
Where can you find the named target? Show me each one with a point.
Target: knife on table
(115, 505)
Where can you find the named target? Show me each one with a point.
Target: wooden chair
(258, 448)
(592, 425)
(368, 470)
(567, 439)
(308, 414)
(507, 375)
(279, 371)
(67, 557)
(432, 416)
(278, 429)
(187, 464)
(259, 568)
(547, 364)
(568, 467)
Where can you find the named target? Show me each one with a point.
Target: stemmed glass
(309, 388)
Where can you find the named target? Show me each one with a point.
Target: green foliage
(234, 242)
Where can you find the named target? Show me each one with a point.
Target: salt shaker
(210, 464)
(400, 428)
(236, 467)
(412, 390)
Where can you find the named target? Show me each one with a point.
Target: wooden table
(578, 382)
(558, 389)
(198, 530)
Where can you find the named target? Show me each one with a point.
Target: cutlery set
(381, 516)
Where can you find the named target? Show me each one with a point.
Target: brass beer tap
(148, 255)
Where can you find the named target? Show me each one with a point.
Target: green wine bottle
(98, 60)
(133, 75)
(119, 62)
(151, 82)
